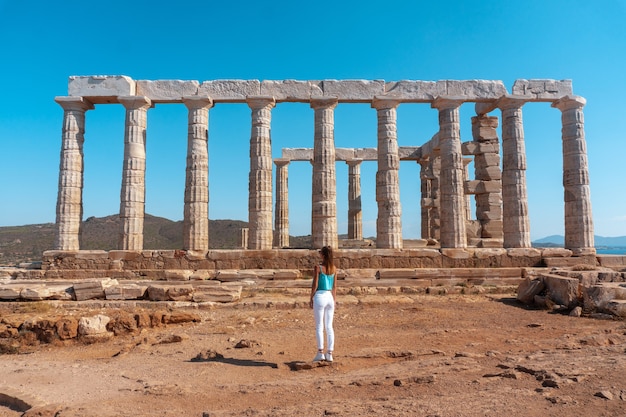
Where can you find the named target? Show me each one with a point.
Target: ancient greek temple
(498, 184)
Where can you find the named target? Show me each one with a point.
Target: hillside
(27, 243)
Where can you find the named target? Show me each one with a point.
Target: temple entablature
(106, 89)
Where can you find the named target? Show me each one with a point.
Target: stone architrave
(389, 222)
(196, 211)
(69, 210)
(133, 195)
(578, 217)
(355, 214)
(260, 177)
(452, 229)
(324, 188)
(516, 223)
(281, 221)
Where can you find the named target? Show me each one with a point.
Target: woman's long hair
(328, 261)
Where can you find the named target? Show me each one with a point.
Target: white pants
(324, 310)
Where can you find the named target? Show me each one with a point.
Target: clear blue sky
(42, 43)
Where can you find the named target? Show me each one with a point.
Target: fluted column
(453, 231)
(487, 171)
(578, 217)
(355, 213)
(430, 200)
(324, 197)
(196, 211)
(281, 221)
(133, 194)
(516, 223)
(260, 178)
(69, 212)
(389, 221)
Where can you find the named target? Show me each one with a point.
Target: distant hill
(559, 240)
(27, 243)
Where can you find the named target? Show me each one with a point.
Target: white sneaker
(319, 357)
(329, 357)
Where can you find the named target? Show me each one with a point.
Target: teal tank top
(325, 282)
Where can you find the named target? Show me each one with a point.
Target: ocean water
(611, 251)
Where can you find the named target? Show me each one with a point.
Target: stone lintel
(430, 148)
(101, 89)
(167, 91)
(291, 90)
(542, 90)
(410, 153)
(230, 91)
(356, 91)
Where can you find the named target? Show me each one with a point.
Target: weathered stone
(230, 90)
(291, 90)
(101, 88)
(542, 90)
(563, 291)
(163, 91)
(219, 294)
(10, 291)
(93, 325)
(125, 292)
(353, 90)
(528, 289)
(88, 290)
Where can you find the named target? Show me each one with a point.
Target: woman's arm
(316, 274)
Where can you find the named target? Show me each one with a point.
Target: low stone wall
(155, 264)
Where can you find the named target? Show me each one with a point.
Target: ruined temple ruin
(500, 232)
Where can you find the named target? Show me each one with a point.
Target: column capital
(324, 102)
(569, 102)
(135, 102)
(74, 103)
(281, 162)
(354, 162)
(381, 103)
(511, 102)
(259, 102)
(447, 102)
(197, 102)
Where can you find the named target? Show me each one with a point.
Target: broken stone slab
(125, 292)
(92, 289)
(177, 274)
(561, 262)
(164, 292)
(47, 292)
(10, 291)
(217, 294)
(229, 275)
(617, 308)
(163, 91)
(203, 275)
(287, 274)
(528, 289)
(597, 297)
(396, 273)
(563, 291)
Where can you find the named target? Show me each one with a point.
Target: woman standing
(323, 293)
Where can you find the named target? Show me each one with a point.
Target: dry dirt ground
(418, 355)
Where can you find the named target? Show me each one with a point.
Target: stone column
(281, 220)
(516, 223)
(324, 198)
(389, 221)
(260, 177)
(196, 212)
(355, 214)
(487, 173)
(578, 219)
(453, 231)
(133, 195)
(70, 194)
(430, 201)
